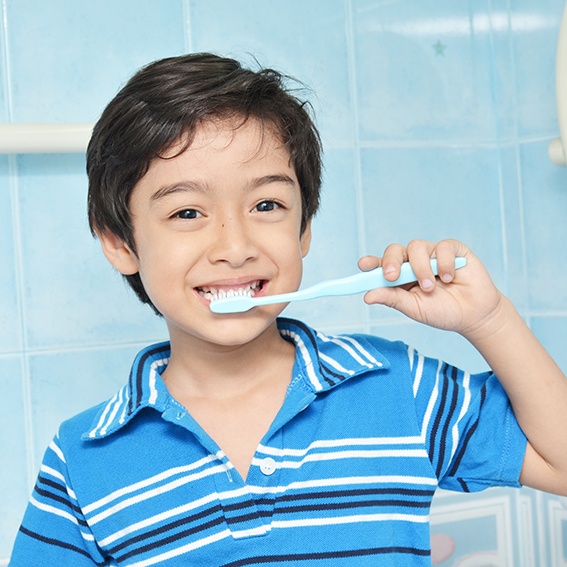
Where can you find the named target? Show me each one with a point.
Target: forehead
(232, 135)
(219, 153)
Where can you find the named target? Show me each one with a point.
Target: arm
(467, 302)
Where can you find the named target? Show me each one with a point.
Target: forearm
(537, 389)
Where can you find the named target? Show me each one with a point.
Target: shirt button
(268, 466)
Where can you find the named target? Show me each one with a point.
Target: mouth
(212, 293)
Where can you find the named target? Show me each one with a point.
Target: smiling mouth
(212, 293)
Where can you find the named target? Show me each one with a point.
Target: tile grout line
(188, 37)
(359, 193)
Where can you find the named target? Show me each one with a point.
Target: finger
(394, 256)
(446, 251)
(367, 263)
(420, 253)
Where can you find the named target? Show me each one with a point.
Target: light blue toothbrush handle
(363, 281)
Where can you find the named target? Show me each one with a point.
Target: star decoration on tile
(439, 48)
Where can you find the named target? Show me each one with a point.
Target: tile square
(431, 194)
(424, 70)
(72, 294)
(82, 52)
(544, 192)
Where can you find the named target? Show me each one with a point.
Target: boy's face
(224, 214)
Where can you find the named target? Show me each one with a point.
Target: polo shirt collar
(323, 361)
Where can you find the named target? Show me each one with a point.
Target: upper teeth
(213, 294)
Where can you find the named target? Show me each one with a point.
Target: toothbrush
(364, 281)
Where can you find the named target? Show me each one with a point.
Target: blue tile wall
(436, 117)
(67, 61)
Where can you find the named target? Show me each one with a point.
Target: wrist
(496, 326)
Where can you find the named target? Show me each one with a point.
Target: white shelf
(44, 138)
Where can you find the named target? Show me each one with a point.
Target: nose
(232, 243)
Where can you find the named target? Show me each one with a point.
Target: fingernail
(446, 278)
(389, 269)
(427, 284)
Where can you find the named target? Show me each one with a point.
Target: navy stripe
(435, 429)
(171, 539)
(452, 408)
(140, 372)
(171, 526)
(62, 544)
(358, 492)
(468, 436)
(328, 555)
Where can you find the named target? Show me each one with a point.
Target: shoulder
(74, 428)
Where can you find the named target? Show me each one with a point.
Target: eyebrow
(192, 187)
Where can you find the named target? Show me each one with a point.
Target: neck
(214, 371)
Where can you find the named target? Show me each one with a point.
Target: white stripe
(152, 379)
(261, 530)
(57, 450)
(53, 510)
(411, 352)
(125, 408)
(155, 492)
(307, 358)
(52, 472)
(432, 402)
(414, 518)
(183, 549)
(335, 364)
(464, 409)
(102, 419)
(328, 443)
(348, 349)
(418, 374)
(357, 480)
(317, 457)
(147, 482)
(114, 411)
(361, 349)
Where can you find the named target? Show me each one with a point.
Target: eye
(267, 206)
(187, 214)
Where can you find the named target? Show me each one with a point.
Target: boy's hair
(164, 103)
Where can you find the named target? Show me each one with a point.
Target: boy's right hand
(465, 301)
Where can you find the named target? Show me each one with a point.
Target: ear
(118, 253)
(305, 239)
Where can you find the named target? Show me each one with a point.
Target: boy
(252, 440)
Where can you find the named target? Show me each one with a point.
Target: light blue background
(435, 115)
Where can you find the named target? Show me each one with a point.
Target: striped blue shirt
(344, 476)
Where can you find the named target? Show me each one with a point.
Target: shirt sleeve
(472, 436)
(53, 531)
